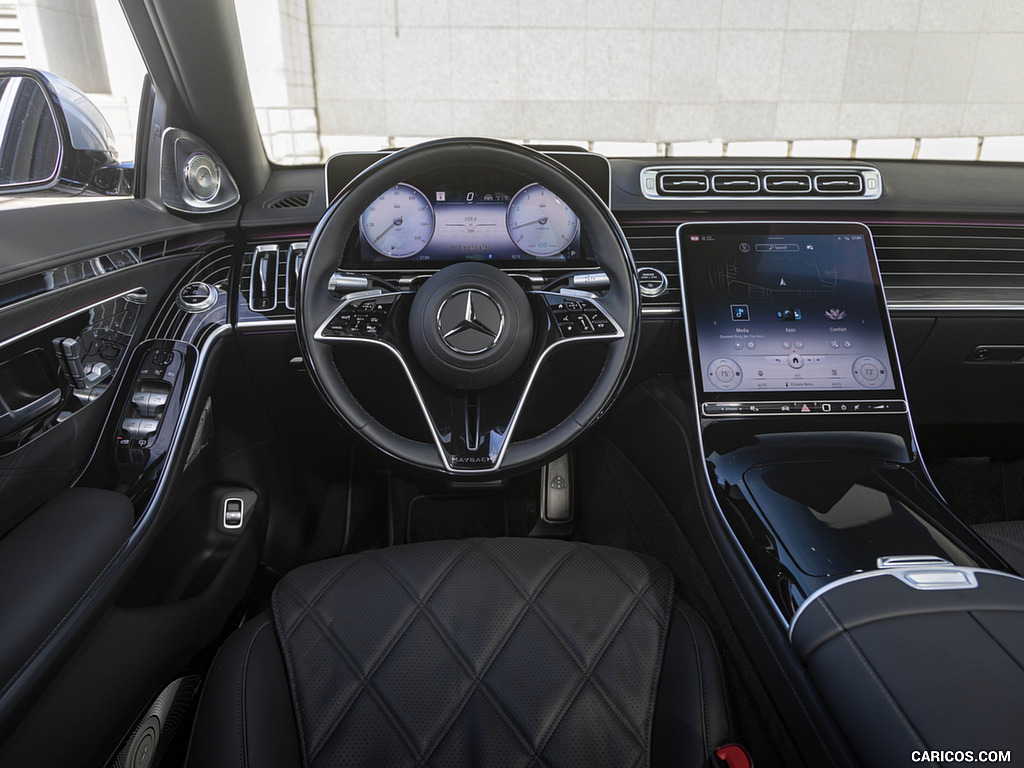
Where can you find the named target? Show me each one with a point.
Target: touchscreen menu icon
(740, 313)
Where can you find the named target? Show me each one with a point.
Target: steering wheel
(470, 339)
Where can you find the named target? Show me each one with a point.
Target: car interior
(480, 453)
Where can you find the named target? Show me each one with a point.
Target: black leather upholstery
(49, 561)
(1007, 539)
(478, 652)
(690, 716)
(246, 704)
(905, 670)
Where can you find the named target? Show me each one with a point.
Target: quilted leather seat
(481, 652)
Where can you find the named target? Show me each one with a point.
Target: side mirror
(53, 137)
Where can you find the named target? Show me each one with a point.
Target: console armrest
(49, 561)
(914, 660)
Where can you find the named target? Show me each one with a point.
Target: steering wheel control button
(196, 297)
(578, 317)
(470, 321)
(653, 282)
(361, 319)
(725, 373)
(870, 372)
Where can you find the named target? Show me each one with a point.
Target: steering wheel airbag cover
(480, 308)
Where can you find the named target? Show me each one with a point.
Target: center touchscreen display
(785, 309)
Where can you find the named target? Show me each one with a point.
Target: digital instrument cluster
(408, 224)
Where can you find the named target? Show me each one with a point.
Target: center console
(803, 420)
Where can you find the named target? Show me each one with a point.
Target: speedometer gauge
(399, 223)
(539, 222)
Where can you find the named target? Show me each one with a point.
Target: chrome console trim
(970, 581)
(69, 315)
(871, 188)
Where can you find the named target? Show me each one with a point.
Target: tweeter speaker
(202, 176)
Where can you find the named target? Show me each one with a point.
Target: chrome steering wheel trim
(323, 335)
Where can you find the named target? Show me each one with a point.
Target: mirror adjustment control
(161, 365)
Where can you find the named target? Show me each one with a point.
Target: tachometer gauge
(539, 223)
(399, 223)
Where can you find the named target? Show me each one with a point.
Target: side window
(70, 88)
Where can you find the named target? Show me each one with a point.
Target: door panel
(105, 316)
(81, 283)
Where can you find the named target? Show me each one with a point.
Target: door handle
(12, 420)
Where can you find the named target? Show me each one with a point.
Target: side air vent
(269, 281)
(296, 253)
(289, 200)
(951, 266)
(263, 279)
(733, 182)
(654, 245)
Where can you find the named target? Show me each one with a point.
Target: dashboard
(949, 260)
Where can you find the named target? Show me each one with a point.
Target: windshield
(871, 78)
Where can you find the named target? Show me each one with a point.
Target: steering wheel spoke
(363, 316)
(471, 428)
(573, 317)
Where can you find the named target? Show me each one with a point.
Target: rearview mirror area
(53, 138)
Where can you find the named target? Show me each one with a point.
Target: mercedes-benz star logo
(470, 321)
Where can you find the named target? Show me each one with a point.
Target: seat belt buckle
(734, 756)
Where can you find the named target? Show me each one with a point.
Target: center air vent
(682, 183)
(787, 183)
(734, 182)
(838, 183)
